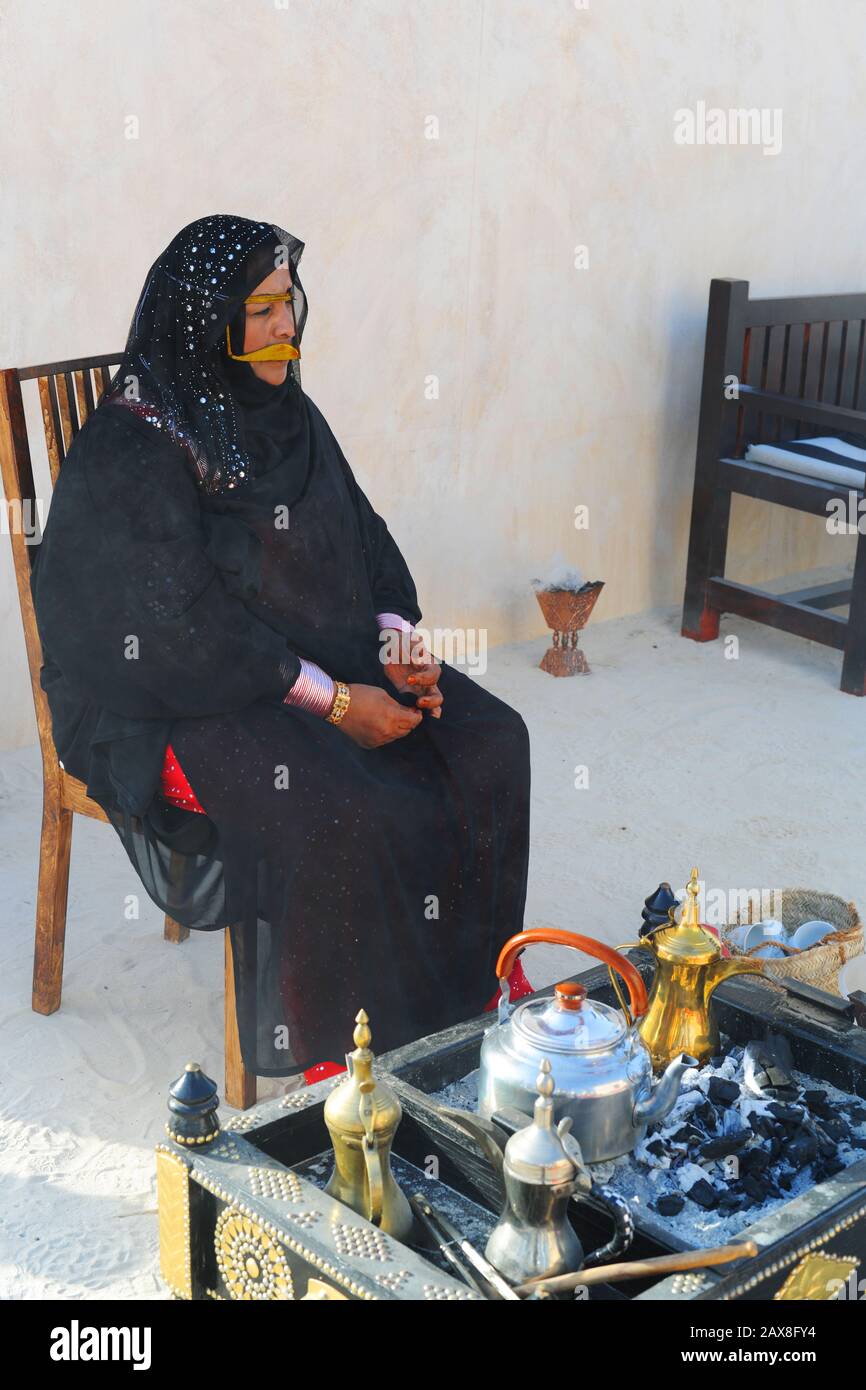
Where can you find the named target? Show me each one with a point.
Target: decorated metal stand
(237, 1223)
(245, 1210)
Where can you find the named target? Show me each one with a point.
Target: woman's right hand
(373, 718)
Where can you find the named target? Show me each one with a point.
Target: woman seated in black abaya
(233, 669)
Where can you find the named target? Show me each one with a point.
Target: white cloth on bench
(822, 458)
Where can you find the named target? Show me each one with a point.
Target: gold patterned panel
(251, 1264)
(321, 1292)
(172, 1183)
(288, 1240)
(818, 1277)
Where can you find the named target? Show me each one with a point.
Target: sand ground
(751, 768)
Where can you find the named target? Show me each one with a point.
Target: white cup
(769, 933)
(852, 976)
(810, 933)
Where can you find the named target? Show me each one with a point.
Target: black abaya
(384, 878)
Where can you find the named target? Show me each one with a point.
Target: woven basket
(818, 965)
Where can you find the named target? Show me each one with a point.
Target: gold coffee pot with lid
(689, 966)
(362, 1115)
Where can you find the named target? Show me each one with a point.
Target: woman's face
(270, 323)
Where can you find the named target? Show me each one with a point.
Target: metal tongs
(464, 1259)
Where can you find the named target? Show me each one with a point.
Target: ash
(724, 1157)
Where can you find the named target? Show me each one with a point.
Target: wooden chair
(798, 368)
(68, 392)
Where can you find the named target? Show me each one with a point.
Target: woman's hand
(419, 674)
(373, 718)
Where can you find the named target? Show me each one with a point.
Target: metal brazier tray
(244, 1216)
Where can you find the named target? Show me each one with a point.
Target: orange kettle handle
(552, 936)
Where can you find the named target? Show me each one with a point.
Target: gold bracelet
(340, 705)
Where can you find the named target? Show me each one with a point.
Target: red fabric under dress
(176, 788)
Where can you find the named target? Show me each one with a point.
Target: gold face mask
(274, 352)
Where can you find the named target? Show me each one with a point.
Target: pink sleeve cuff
(394, 620)
(314, 689)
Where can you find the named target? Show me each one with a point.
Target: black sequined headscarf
(175, 371)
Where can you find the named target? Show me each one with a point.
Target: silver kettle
(604, 1077)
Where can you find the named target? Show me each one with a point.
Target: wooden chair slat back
(67, 398)
(804, 358)
(84, 395)
(51, 425)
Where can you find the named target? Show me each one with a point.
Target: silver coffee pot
(542, 1170)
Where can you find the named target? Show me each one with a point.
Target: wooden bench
(776, 370)
(68, 392)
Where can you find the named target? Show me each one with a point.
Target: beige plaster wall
(442, 159)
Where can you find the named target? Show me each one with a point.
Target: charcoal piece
(688, 1134)
(726, 1144)
(762, 1126)
(788, 1114)
(856, 1114)
(822, 1112)
(767, 1067)
(836, 1128)
(785, 1180)
(813, 1096)
(704, 1194)
(669, 1204)
(802, 1150)
(776, 1147)
(756, 1187)
(826, 1145)
(832, 1166)
(722, 1092)
(718, 1060)
(732, 1201)
(756, 1161)
(819, 1104)
(779, 1081)
(657, 1147)
(705, 1115)
(856, 1142)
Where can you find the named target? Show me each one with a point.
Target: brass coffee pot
(362, 1116)
(689, 966)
